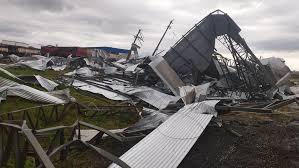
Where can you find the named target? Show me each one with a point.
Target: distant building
(18, 48)
(14, 43)
(113, 53)
(66, 51)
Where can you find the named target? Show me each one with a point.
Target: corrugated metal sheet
(151, 96)
(168, 144)
(26, 92)
(5, 82)
(91, 88)
(40, 64)
(46, 83)
(30, 93)
(8, 73)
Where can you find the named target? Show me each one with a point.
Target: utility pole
(168, 27)
(133, 46)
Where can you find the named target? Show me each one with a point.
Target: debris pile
(179, 92)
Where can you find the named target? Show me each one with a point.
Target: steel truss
(21, 130)
(252, 77)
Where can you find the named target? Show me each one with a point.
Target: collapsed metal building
(192, 68)
(194, 56)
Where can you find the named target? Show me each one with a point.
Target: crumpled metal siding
(5, 82)
(150, 121)
(168, 144)
(151, 96)
(8, 73)
(46, 83)
(194, 50)
(30, 93)
(108, 94)
(15, 89)
(40, 64)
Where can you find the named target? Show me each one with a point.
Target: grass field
(16, 103)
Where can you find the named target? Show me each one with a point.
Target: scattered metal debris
(176, 95)
(173, 139)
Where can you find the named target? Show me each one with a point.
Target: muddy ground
(267, 141)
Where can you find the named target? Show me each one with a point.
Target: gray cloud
(284, 44)
(12, 30)
(266, 26)
(42, 5)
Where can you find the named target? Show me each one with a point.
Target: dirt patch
(267, 141)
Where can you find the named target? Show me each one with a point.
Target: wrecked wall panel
(193, 51)
(167, 75)
(29, 93)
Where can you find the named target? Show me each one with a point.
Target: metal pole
(168, 27)
(136, 37)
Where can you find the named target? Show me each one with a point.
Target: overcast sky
(271, 28)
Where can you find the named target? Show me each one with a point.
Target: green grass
(117, 118)
(16, 103)
(50, 74)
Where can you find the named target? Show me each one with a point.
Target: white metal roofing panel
(108, 94)
(46, 83)
(168, 144)
(30, 93)
(167, 74)
(151, 96)
(8, 73)
(7, 82)
(14, 89)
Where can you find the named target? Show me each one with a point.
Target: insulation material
(187, 94)
(202, 90)
(168, 144)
